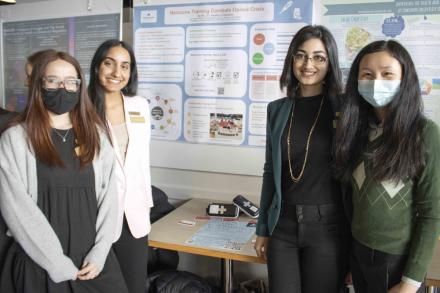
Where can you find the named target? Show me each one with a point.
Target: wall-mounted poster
(210, 69)
(415, 24)
(80, 36)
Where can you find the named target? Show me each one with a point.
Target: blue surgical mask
(378, 93)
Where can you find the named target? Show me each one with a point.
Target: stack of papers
(231, 235)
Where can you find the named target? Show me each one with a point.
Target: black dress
(67, 198)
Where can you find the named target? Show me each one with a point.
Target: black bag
(158, 258)
(252, 286)
(173, 281)
(161, 205)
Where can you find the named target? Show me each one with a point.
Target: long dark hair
(401, 153)
(332, 85)
(85, 121)
(96, 91)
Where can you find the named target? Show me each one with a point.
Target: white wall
(182, 184)
(37, 9)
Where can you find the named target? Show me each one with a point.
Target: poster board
(415, 24)
(76, 27)
(177, 42)
(209, 69)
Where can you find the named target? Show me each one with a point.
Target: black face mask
(60, 101)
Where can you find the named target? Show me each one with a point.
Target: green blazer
(270, 203)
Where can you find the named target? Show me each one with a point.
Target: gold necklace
(298, 178)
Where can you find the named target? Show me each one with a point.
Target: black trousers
(374, 271)
(132, 255)
(307, 252)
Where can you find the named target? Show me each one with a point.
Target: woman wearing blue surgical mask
(389, 152)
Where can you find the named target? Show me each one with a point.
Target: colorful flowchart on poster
(209, 70)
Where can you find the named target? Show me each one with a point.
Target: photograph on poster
(229, 125)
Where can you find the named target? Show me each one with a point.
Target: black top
(67, 198)
(72, 191)
(317, 185)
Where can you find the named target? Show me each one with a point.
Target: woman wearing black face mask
(57, 192)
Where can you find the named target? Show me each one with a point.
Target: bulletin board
(209, 68)
(78, 31)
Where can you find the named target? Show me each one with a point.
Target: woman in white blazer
(112, 88)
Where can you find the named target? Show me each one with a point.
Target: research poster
(416, 24)
(209, 69)
(80, 36)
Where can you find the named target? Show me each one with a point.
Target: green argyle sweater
(402, 218)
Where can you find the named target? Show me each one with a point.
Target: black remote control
(246, 206)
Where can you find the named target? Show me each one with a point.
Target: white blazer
(133, 176)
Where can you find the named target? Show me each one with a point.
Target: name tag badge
(133, 113)
(137, 119)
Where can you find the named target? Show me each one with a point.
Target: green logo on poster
(258, 58)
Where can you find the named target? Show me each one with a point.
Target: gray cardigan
(28, 225)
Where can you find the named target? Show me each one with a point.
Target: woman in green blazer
(302, 230)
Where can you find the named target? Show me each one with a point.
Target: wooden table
(433, 275)
(168, 234)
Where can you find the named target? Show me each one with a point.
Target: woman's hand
(261, 246)
(403, 287)
(88, 271)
